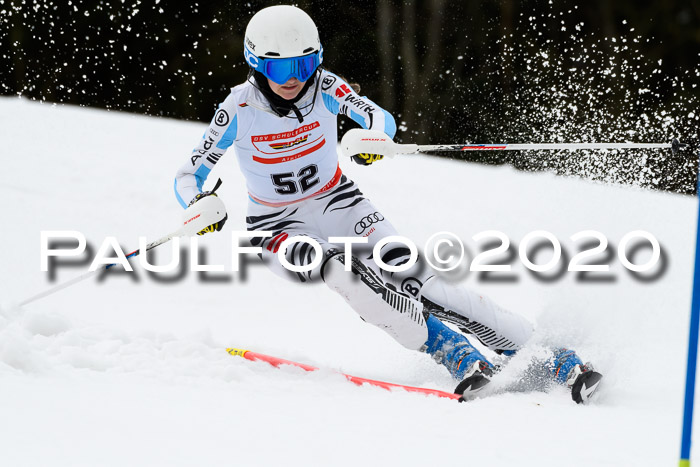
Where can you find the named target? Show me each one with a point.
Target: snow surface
(131, 371)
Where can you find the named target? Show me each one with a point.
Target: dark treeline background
(450, 71)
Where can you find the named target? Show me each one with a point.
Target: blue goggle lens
(281, 70)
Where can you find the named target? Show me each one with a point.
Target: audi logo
(366, 221)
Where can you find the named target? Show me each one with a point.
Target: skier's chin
(288, 90)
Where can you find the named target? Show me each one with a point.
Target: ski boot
(569, 370)
(461, 359)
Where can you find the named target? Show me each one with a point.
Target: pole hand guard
(359, 144)
(205, 213)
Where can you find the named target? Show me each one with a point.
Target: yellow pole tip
(684, 463)
(236, 352)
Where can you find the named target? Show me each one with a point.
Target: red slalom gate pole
(277, 362)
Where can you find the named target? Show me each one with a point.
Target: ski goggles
(281, 70)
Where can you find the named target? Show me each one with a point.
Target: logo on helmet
(250, 58)
(250, 44)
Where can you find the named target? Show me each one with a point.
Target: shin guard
(397, 314)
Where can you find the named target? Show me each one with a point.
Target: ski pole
(84, 276)
(536, 146)
(357, 141)
(208, 212)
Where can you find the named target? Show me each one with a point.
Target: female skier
(283, 124)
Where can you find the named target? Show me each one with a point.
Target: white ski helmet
(282, 42)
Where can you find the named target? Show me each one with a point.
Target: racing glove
(366, 159)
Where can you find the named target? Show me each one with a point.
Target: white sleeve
(339, 97)
(216, 140)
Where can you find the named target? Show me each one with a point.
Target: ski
(277, 362)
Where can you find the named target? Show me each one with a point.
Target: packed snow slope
(131, 368)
